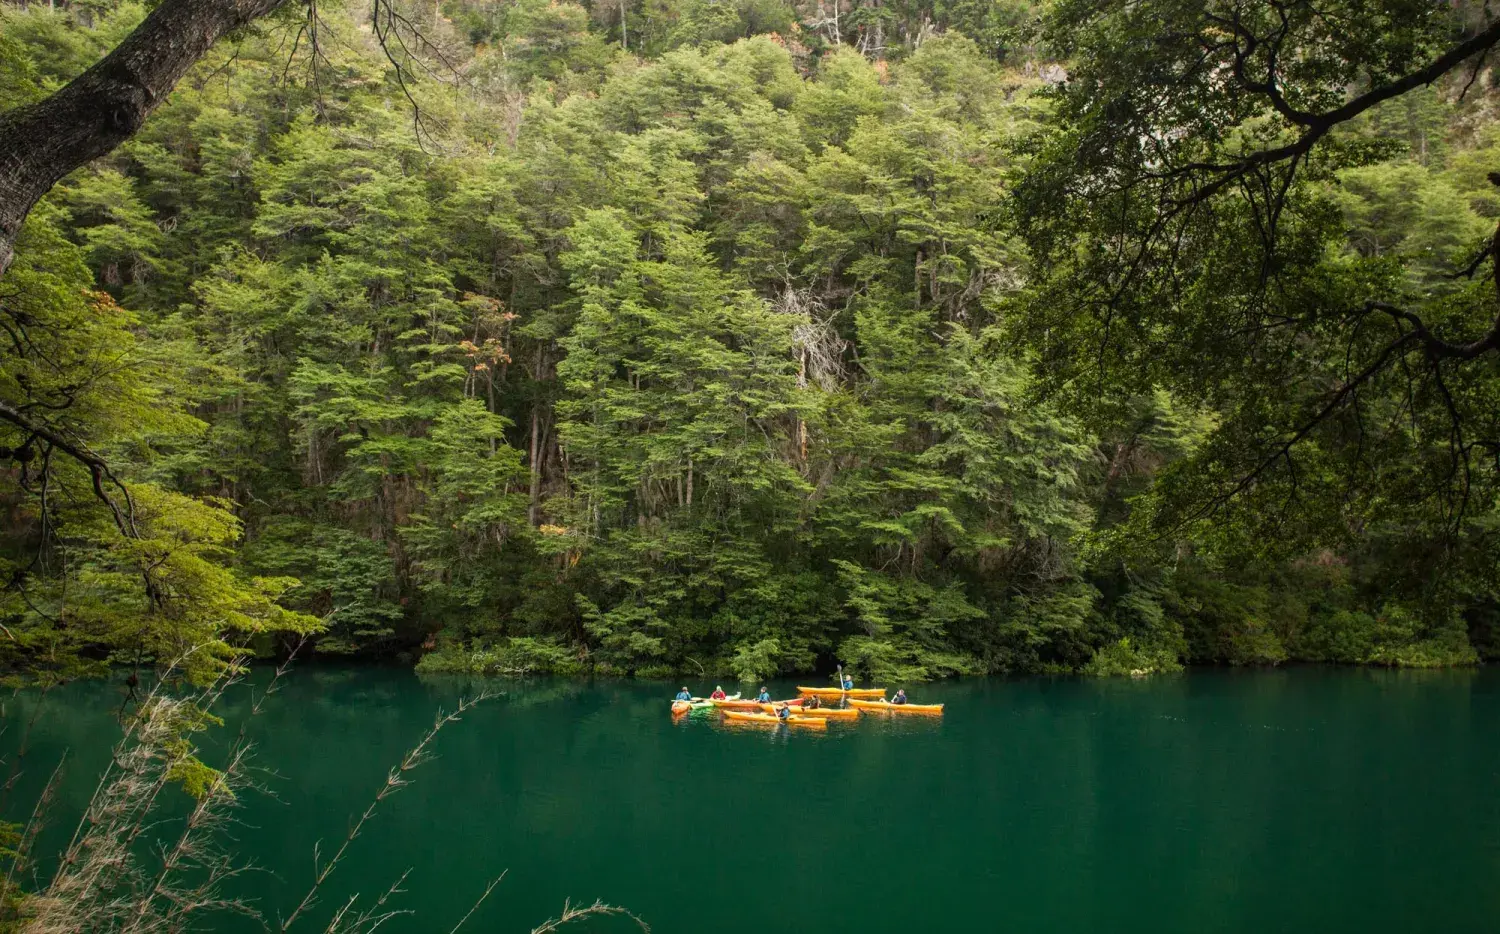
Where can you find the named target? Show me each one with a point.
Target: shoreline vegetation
(1121, 659)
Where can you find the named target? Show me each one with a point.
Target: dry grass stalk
(27, 842)
(345, 921)
(475, 907)
(571, 914)
(196, 847)
(100, 880)
(395, 780)
(18, 760)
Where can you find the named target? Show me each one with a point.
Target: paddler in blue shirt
(683, 694)
(764, 697)
(900, 697)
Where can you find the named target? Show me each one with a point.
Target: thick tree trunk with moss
(41, 143)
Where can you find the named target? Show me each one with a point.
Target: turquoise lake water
(1303, 799)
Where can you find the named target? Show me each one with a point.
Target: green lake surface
(1302, 799)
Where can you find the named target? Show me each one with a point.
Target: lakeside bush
(519, 655)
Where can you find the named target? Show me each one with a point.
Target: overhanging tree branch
(1316, 125)
(98, 470)
(1438, 348)
(41, 143)
(1343, 395)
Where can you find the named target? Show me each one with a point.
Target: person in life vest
(683, 694)
(812, 703)
(848, 683)
(718, 693)
(900, 697)
(783, 711)
(764, 697)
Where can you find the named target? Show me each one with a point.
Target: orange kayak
(681, 706)
(824, 713)
(838, 692)
(771, 719)
(737, 704)
(897, 708)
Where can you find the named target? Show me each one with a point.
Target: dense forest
(743, 337)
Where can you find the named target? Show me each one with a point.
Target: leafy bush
(1403, 639)
(755, 662)
(1124, 658)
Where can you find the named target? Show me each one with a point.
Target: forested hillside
(726, 338)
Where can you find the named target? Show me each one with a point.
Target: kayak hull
(837, 692)
(897, 708)
(740, 716)
(822, 713)
(745, 716)
(736, 704)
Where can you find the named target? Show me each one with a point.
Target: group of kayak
(811, 710)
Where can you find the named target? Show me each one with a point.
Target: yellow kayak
(839, 692)
(740, 716)
(896, 708)
(825, 713)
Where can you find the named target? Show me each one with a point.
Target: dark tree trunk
(101, 108)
